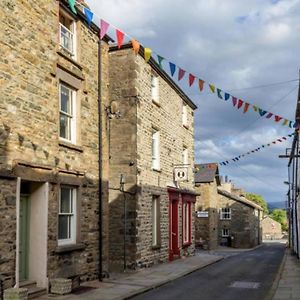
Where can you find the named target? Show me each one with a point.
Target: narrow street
(248, 275)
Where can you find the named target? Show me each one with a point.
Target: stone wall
(271, 229)
(31, 62)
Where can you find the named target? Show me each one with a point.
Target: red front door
(173, 221)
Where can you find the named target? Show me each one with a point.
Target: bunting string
(237, 103)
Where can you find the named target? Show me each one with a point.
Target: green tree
(279, 215)
(258, 199)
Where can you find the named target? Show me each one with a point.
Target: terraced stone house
(51, 184)
(151, 215)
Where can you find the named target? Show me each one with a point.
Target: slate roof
(206, 173)
(239, 199)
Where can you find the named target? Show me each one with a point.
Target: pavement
(127, 285)
(288, 283)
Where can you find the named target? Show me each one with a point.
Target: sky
(248, 48)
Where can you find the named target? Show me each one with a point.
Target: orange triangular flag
(135, 45)
(201, 85)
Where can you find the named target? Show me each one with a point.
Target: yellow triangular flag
(147, 54)
(212, 88)
(135, 45)
(255, 107)
(285, 122)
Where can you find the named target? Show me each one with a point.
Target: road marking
(245, 285)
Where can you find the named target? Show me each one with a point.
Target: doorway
(174, 251)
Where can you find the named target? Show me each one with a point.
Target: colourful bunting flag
(285, 122)
(160, 59)
(295, 125)
(246, 107)
(191, 79)
(172, 68)
(120, 37)
(147, 54)
(234, 101)
(240, 103)
(89, 15)
(262, 112)
(226, 96)
(180, 74)
(219, 93)
(135, 46)
(269, 115)
(201, 85)
(103, 28)
(255, 107)
(278, 118)
(212, 88)
(72, 6)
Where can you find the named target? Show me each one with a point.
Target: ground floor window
(225, 232)
(186, 222)
(67, 215)
(155, 221)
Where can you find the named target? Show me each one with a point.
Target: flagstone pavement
(289, 281)
(123, 286)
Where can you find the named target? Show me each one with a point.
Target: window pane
(63, 227)
(65, 99)
(65, 201)
(65, 128)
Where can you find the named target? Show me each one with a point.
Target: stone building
(224, 216)
(271, 229)
(151, 215)
(49, 171)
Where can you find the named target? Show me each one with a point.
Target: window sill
(69, 248)
(71, 146)
(185, 126)
(65, 54)
(156, 170)
(156, 247)
(156, 103)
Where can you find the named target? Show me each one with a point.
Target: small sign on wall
(181, 173)
(202, 214)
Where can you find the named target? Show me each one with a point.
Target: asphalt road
(248, 275)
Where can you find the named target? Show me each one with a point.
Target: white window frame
(184, 115)
(155, 221)
(186, 222)
(72, 215)
(155, 149)
(225, 213)
(225, 232)
(71, 115)
(155, 88)
(64, 31)
(185, 156)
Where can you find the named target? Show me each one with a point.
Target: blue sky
(235, 45)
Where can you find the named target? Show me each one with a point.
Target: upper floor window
(155, 150)
(67, 215)
(184, 115)
(185, 156)
(155, 88)
(67, 113)
(67, 34)
(225, 213)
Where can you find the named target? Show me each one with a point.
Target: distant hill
(277, 204)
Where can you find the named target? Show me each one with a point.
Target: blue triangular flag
(89, 15)
(226, 96)
(172, 68)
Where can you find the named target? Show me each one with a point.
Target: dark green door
(24, 237)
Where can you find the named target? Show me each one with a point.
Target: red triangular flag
(234, 100)
(120, 37)
(191, 79)
(201, 84)
(278, 118)
(240, 103)
(180, 74)
(246, 107)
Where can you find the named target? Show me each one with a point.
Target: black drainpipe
(296, 195)
(100, 158)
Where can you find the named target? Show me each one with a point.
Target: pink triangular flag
(120, 37)
(180, 74)
(234, 100)
(103, 28)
